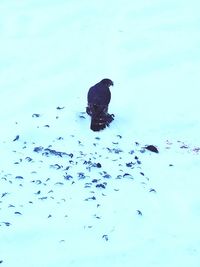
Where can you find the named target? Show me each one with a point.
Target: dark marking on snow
(36, 115)
(47, 126)
(101, 185)
(119, 136)
(152, 148)
(90, 198)
(139, 212)
(88, 185)
(19, 177)
(60, 138)
(142, 173)
(98, 165)
(171, 165)
(132, 152)
(47, 152)
(127, 175)
(82, 117)
(4, 194)
(6, 223)
(68, 177)
(59, 108)
(56, 166)
(81, 175)
(107, 176)
(11, 206)
(152, 190)
(130, 164)
(16, 138)
(95, 181)
(49, 216)
(28, 159)
(1, 261)
(105, 237)
(42, 198)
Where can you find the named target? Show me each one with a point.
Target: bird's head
(107, 82)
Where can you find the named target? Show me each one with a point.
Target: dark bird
(98, 99)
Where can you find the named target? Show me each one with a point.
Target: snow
(51, 53)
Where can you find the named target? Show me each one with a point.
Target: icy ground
(72, 197)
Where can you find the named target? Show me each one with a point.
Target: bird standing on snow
(98, 98)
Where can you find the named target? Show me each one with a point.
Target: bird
(98, 98)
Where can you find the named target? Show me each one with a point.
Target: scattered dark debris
(68, 177)
(88, 185)
(56, 166)
(60, 138)
(103, 185)
(6, 223)
(98, 165)
(95, 181)
(48, 151)
(152, 190)
(115, 143)
(59, 183)
(139, 212)
(152, 148)
(116, 189)
(184, 146)
(130, 164)
(4, 194)
(105, 237)
(114, 150)
(196, 150)
(128, 175)
(28, 159)
(11, 206)
(16, 138)
(107, 176)
(42, 198)
(90, 198)
(82, 117)
(97, 217)
(81, 175)
(37, 193)
(19, 177)
(38, 149)
(36, 115)
(137, 144)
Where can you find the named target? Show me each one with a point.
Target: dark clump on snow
(48, 152)
(152, 148)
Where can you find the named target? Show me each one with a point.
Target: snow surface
(104, 201)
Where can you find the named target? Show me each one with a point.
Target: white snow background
(136, 207)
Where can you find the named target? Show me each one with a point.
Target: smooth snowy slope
(51, 53)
